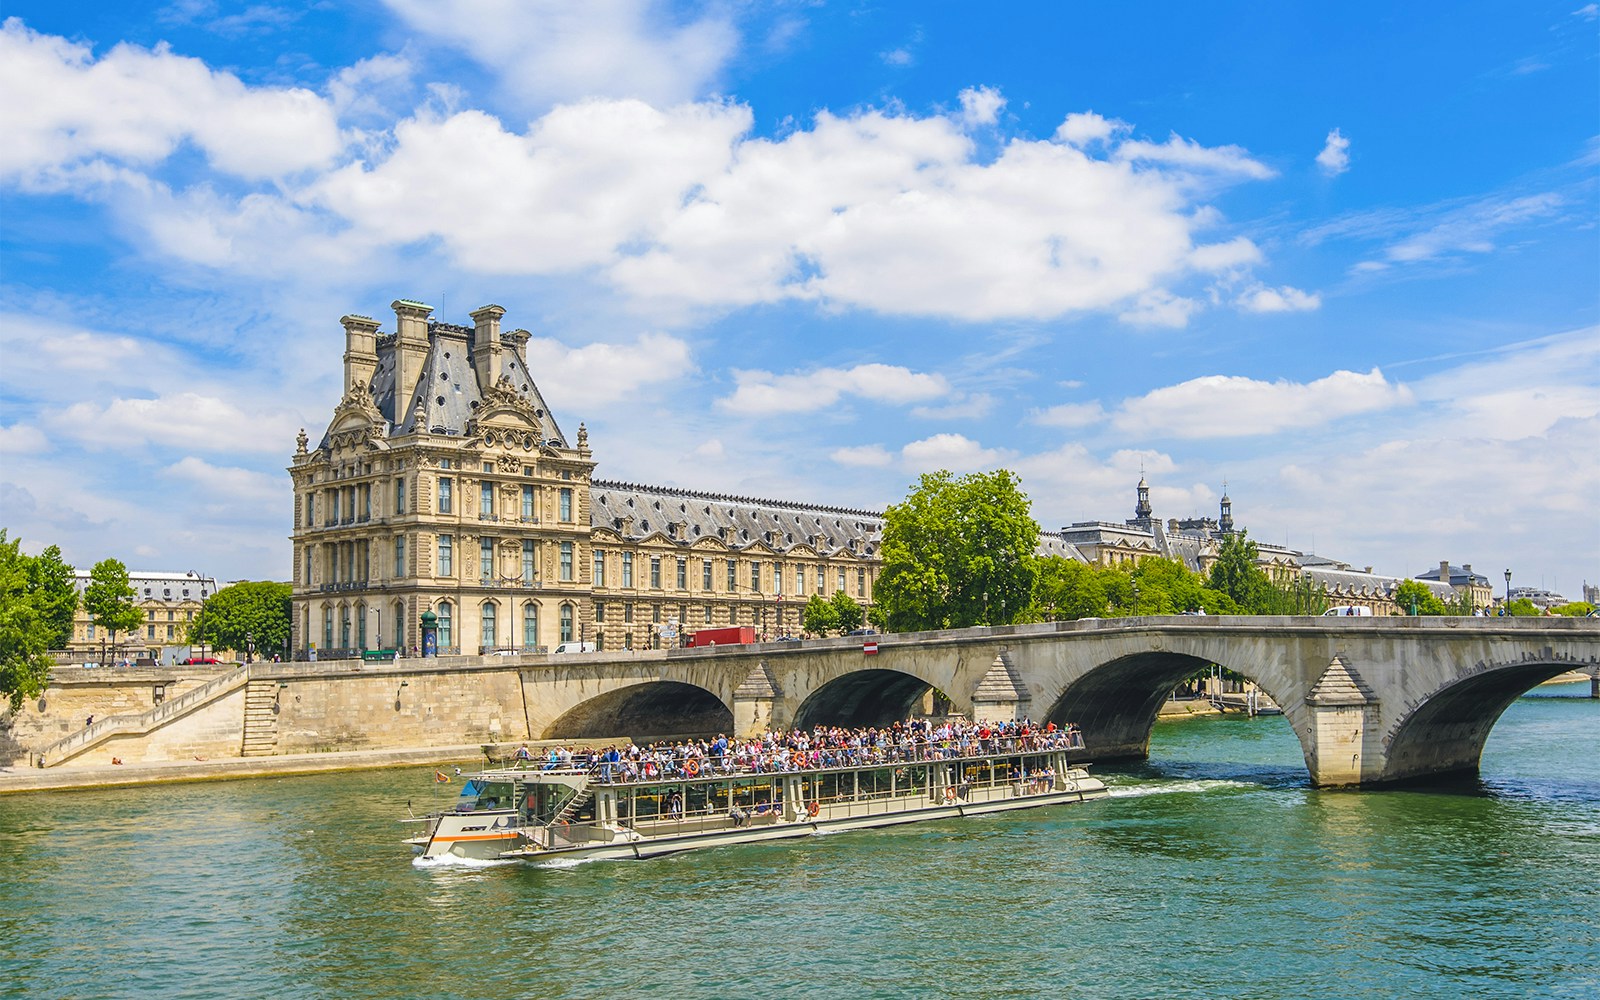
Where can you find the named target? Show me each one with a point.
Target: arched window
(444, 623)
(327, 626)
(400, 623)
(530, 625)
(566, 623)
(344, 626)
(486, 630)
(361, 626)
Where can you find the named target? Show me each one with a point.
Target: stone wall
(75, 694)
(399, 707)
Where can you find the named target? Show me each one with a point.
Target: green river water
(1213, 871)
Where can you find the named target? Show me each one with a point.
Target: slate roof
(637, 512)
(155, 586)
(448, 388)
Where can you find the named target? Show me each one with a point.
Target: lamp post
(1508, 593)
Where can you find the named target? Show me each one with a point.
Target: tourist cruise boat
(531, 811)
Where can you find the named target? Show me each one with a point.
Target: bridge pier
(1001, 696)
(755, 703)
(1345, 732)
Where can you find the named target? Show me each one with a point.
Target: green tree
(109, 599)
(847, 614)
(1413, 597)
(1236, 574)
(55, 594)
(958, 552)
(1524, 608)
(1574, 609)
(25, 630)
(819, 617)
(1065, 590)
(246, 616)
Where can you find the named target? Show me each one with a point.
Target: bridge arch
(862, 698)
(653, 710)
(1445, 733)
(1116, 704)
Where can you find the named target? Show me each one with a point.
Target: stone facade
(169, 602)
(443, 483)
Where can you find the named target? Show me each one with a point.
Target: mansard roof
(636, 512)
(448, 393)
(158, 586)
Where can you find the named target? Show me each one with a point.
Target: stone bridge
(1372, 700)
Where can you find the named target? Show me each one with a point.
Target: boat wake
(1175, 788)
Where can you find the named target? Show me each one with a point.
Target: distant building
(169, 602)
(1539, 596)
(1462, 580)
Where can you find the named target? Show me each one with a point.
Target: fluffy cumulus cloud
(604, 372)
(1335, 156)
(184, 419)
(61, 106)
(1233, 406)
(225, 483)
(763, 393)
(666, 197)
(954, 452)
(550, 50)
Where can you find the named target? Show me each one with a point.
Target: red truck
(734, 635)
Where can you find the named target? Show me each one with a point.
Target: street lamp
(1508, 592)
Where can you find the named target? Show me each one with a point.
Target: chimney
(410, 349)
(486, 345)
(360, 350)
(1444, 571)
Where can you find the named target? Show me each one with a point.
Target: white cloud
(603, 373)
(1587, 12)
(22, 439)
(1472, 230)
(1186, 153)
(1218, 406)
(184, 419)
(1335, 156)
(547, 50)
(981, 106)
(954, 452)
(223, 484)
(1285, 299)
(59, 105)
(1159, 307)
(1069, 415)
(1084, 128)
(763, 393)
(676, 207)
(867, 456)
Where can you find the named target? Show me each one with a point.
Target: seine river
(1215, 871)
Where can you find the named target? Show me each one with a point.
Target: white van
(1348, 610)
(575, 647)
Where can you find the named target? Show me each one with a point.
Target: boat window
(829, 790)
(910, 780)
(697, 801)
(876, 783)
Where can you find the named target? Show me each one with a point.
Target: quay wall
(395, 705)
(75, 694)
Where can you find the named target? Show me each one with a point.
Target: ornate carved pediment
(357, 420)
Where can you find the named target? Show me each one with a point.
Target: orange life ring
(812, 809)
(949, 794)
(691, 767)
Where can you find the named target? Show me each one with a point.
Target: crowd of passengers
(798, 749)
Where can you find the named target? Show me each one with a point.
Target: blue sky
(1340, 257)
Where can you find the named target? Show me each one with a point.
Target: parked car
(575, 647)
(862, 631)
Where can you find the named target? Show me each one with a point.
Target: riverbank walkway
(26, 779)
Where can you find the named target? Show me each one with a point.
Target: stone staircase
(260, 719)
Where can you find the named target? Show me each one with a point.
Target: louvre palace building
(444, 485)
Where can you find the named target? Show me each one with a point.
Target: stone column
(1345, 737)
(754, 702)
(1001, 696)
